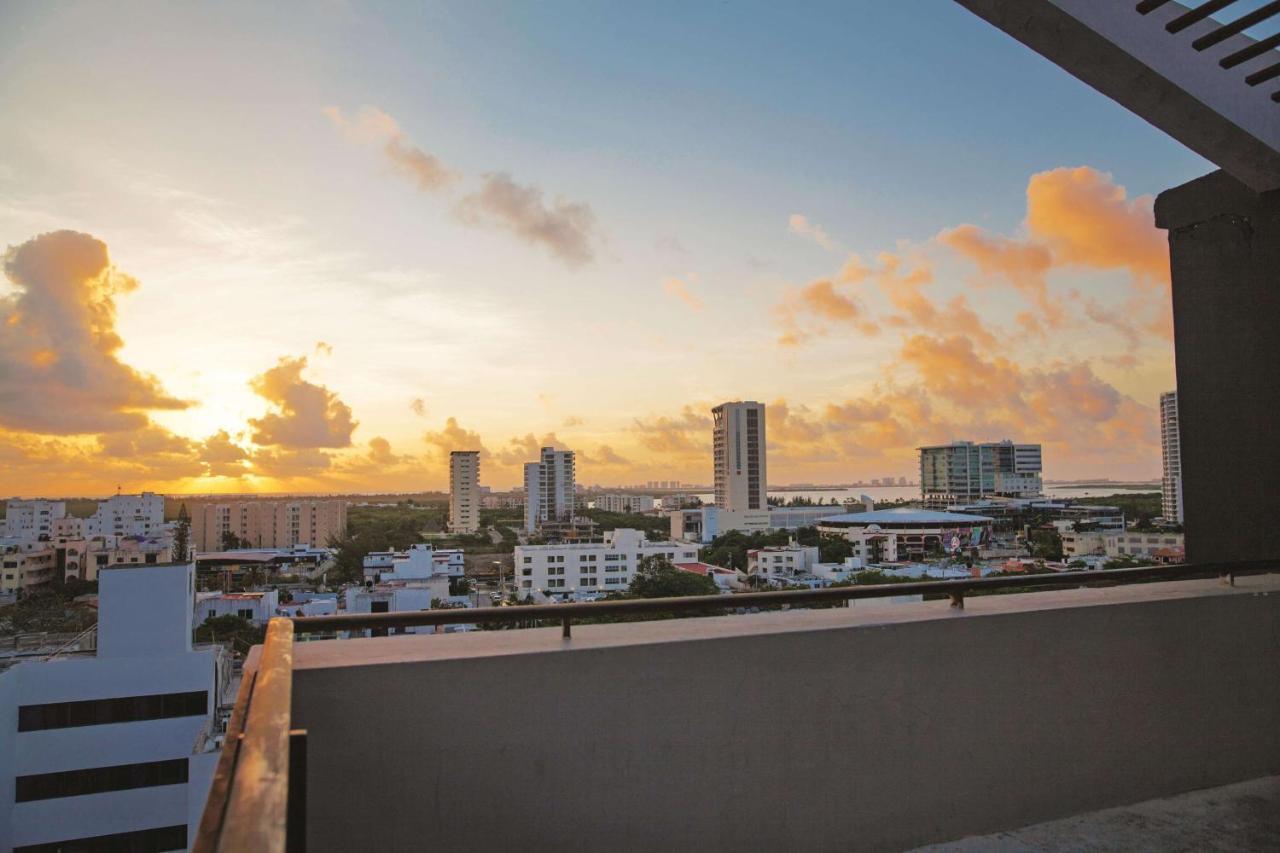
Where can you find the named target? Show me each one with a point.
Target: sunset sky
(255, 248)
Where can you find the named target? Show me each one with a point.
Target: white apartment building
(128, 515)
(781, 563)
(256, 607)
(21, 571)
(623, 503)
(115, 750)
(963, 472)
(549, 488)
(738, 441)
(398, 597)
(1171, 456)
(589, 567)
(464, 491)
(419, 561)
(27, 521)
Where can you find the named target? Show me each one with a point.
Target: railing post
(564, 623)
(296, 810)
(957, 599)
(1227, 578)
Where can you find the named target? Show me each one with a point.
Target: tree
(459, 586)
(236, 630)
(656, 577)
(182, 536)
(230, 541)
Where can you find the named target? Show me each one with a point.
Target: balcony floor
(1244, 816)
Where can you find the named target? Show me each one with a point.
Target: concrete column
(1224, 248)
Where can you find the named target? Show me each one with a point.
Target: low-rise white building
(781, 563)
(418, 561)
(704, 523)
(891, 535)
(606, 566)
(398, 597)
(1145, 544)
(256, 607)
(726, 580)
(115, 749)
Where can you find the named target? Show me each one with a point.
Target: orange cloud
(454, 437)
(686, 435)
(371, 126)
(680, 290)
(59, 367)
(800, 225)
(307, 415)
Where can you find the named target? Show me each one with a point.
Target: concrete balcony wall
(875, 727)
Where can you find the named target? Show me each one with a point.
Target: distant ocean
(896, 493)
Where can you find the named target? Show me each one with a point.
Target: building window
(125, 709)
(98, 780)
(160, 838)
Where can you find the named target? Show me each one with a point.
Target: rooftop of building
(905, 515)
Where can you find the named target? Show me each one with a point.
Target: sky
(272, 247)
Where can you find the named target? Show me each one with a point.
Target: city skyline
(326, 279)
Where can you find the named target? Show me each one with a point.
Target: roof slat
(1147, 6)
(1254, 50)
(1269, 73)
(1239, 25)
(1196, 15)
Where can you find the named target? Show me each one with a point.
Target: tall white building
(27, 521)
(592, 567)
(115, 750)
(128, 515)
(549, 489)
(464, 491)
(1171, 453)
(739, 446)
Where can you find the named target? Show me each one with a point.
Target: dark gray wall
(1224, 247)
(844, 738)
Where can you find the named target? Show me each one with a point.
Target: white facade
(121, 742)
(27, 521)
(739, 456)
(704, 523)
(464, 491)
(1171, 456)
(398, 597)
(780, 563)
(623, 503)
(590, 567)
(256, 607)
(549, 487)
(418, 562)
(128, 515)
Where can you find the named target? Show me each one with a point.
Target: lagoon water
(885, 494)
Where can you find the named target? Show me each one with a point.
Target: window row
(97, 780)
(125, 709)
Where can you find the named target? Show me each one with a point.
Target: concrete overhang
(1203, 82)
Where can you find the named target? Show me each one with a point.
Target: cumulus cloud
(288, 464)
(813, 309)
(418, 406)
(800, 225)
(60, 372)
(323, 348)
(305, 415)
(525, 448)
(1076, 217)
(371, 126)
(685, 435)
(679, 288)
(604, 456)
(454, 437)
(222, 456)
(564, 228)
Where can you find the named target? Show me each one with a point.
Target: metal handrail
(257, 796)
(955, 589)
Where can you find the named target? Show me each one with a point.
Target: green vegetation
(730, 549)
(182, 536)
(375, 528)
(1045, 543)
(654, 526)
(1140, 507)
(656, 577)
(51, 609)
(237, 630)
